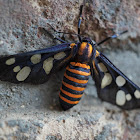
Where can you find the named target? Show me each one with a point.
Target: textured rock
(33, 112)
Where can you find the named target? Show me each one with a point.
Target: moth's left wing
(112, 85)
(36, 66)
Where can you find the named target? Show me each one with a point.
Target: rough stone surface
(33, 112)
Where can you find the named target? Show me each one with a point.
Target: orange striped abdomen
(73, 84)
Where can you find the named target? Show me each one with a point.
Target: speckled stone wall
(33, 111)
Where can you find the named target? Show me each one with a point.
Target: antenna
(111, 37)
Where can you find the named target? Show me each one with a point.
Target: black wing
(113, 86)
(36, 66)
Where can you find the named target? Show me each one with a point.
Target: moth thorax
(84, 52)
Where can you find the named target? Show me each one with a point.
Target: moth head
(88, 40)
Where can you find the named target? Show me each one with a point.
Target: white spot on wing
(59, 55)
(137, 94)
(10, 61)
(48, 65)
(16, 69)
(23, 73)
(107, 79)
(36, 58)
(128, 97)
(102, 67)
(120, 81)
(120, 98)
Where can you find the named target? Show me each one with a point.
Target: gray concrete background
(33, 112)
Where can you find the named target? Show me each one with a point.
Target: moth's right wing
(112, 85)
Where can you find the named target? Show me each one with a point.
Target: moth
(82, 60)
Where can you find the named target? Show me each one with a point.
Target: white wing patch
(16, 69)
(23, 73)
(128, 97)
(48, 65)
(120, 98)
(120, 81)
(137, 94)
(36, 58)
(107, 79)
(10, 61)
(102, 67)
(59, 55)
